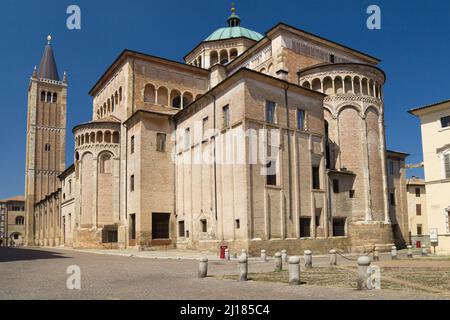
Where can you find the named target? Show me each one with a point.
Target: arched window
(187, 99)
(49, 97)
(86, 137)
(92, 139)
(20, 220)
(338, 85)
(163, 96)
(43, 96)
(98, 114)
(263, 70)
(120, 94)
(82, 139)
(55, 97)
(328, 86)
(109, 107)
(213, 58)
(108, 137)
(223, 57)
(105, 163)
(116, 98)
(149, 93)
(356, 85)
(306, 85)
(200, 62)
(175, 98)
(348, 85)
(112, 103)
(269, 69)
(364, 89)
(316, 85)
(116, 137)
(99, 137)
(233, 54)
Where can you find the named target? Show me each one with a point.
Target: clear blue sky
(413, 44)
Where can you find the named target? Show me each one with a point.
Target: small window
(339, 227)
(391, 168)
(187, 138)
(55, 98)
(335, 186)
(161, 142)
(418, 209)
(418, 192)
(16, 236)
(20, 220)
(238, 224)
(132, 144)
(316, 178)
(392, 199)
(419, 229)
(271, 173)
(132, 183)
(270, 112)
(204, 127)
(332, 58)
(447, 166)
(301, 119)
(445, 122)
(305, 227)
(226, 116)
(181, 230)
(351, 194)
(43, 96)
(318, 217)
(204, 224)
(47, 147)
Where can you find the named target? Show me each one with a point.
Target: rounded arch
(364, 89)
(82, 139)
(43, 95)
(223, 56)
(120, 94)
(338, 85)
(348, 85)
(116, 137)
(105, 162)
(163, 96)
(86, 138)
(263, 70)
(112, 103)
(371, 88)
(316, 85)
(233, 54)
(188, 98)
(213, 58)
(99, 138)
(198, 96)
(116, 97)
(328, 85)
(373, 109)
(55, 98)
(108, 137)
(357, 85)
(20, 220)
(49, 97)
(175, 99)
(149, 93)
(92, 137)
(306, 84)
(348, 105)
(270, 69)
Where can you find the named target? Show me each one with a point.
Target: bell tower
(46, 136)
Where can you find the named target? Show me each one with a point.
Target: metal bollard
(278, 262)
(308, 259)
(263, 255)
(294, 270)
(424, 250)
(203, 268)
(284, 255)
(363, 275)
(243, 267)
(410, 252)
(394, 255)
(333, 258)
(227, 254)
(376, 254)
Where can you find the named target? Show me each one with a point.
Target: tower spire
(47, 67)
(234, 20)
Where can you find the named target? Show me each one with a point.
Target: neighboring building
(398, 205)
(12, 221)
(417, 212)
(135, 181)
(435, 125)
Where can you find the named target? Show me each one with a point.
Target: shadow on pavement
(16, 254)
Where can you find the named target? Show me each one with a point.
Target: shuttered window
(447, 166)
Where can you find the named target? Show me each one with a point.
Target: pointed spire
(47, 68)
(234, 20)
(34, 72)
(65, 77)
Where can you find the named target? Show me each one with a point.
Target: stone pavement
(41, 274)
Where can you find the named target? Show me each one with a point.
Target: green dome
(234, 32)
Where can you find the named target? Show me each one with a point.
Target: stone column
(203, 268)
(308, 259)
(333, 258)
(363, 276)
(366, 171)
(278, 262)
(410, 252)
(294, 270)
(263, 255)
(384, 167)
(243, 268)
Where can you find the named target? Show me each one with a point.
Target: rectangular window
(301, 119)
(270, 112)
(316, 178)
(339, 227)
(445, 122)
(335, 186)
(238, 224)
(204, 224)
(351, 194)
(332, 58)
(161, 142)
(391, 168)
(204, 127)
(392, 199)
(418, 192)
(132, 183)
(132, 227)
(160, 225)
(318, 216)
(132, 144)
(181, 230)
(305, 227)
(271, 173)
(419, 229)
(226, 116)
(418, 209)
(187, 138)
(447, 166)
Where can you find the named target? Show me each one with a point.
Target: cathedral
(257, 141)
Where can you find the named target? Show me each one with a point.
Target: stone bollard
(363, 275)
(294, 270)
(203, 268)
(278, 262)
(227, 254)
(243, 267)
(333, 258)
(410, 252)
(284, 255)
(263, 255)
(308, 259)
(244, 253)
(376, 254)
(424, 250)
(394, 255)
